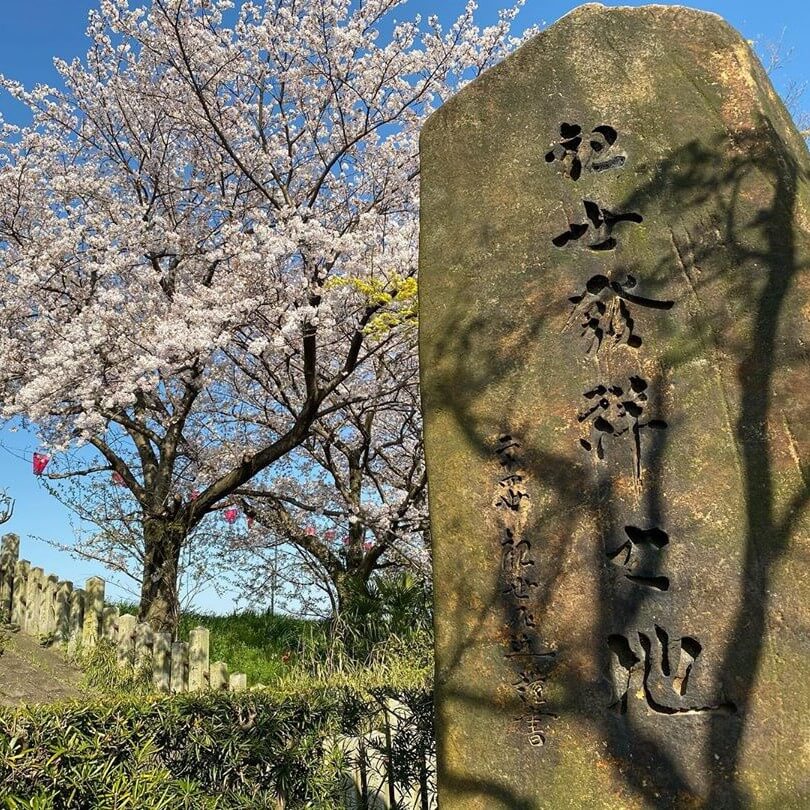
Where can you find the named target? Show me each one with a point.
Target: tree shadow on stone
(719, 178)
(555, 473)
(707, 192)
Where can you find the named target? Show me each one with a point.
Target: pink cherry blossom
(209, 251)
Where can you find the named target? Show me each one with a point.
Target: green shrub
(261, 645)
(102, 673)
(212, 750)
(391, 648)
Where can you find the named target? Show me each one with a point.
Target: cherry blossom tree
(209, 233)
(354, 499)
(109, 531)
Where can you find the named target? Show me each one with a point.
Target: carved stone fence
(392, 766)
(51, 609)
(389, 767)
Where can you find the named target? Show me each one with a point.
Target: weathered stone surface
(75, 620)
(125, 648)
(33, 600)
(9, 555)
(632, 630)
(237, 682)
(64, 593)
(47, 606)
(93, 608)
(218, 676)
(179, 667)
(162, 662)
(198, 666)
(20, 592)
(109, 623)
(144, 636)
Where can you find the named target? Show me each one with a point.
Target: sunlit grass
(261, 645)
(291, 654)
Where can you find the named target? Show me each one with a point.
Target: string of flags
(40, 462)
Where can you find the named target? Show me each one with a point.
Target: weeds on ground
(261, 645)
(102, 672)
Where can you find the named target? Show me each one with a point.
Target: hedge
(212, 750)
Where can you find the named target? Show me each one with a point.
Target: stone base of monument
(615, 333)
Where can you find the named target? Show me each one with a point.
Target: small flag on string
(118, 479)
(368, 545)
(195, 493)
(310, 531)
(230, 514)
(329, 534)
(40, 462)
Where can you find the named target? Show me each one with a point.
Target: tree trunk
(160, 604)
(352, 591)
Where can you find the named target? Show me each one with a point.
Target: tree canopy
(208, 237)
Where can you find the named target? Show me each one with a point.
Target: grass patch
(288, 654)
(263, 646)
(266, 748)
(384, 641)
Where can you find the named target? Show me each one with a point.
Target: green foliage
(392, 606)
(213, 750)
(386, 632)
(102, 673)
(261, 645)
(217, 751)
(400, 663)
(384, 641)
(397, 295)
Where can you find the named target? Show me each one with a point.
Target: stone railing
(370, 762)
(52, 610)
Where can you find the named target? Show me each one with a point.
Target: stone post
(179, 667)
(614, 289)
(143, 646)
(162, 662)
(93, 607)
(64, 594)
(218, 676)
(109, 623)
(237, 682)
(9, 555)
(19, 593)
(47, 606)
(198, 643)
(126, 640)
(33, 600)
(75, 620)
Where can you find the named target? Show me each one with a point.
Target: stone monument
(615, 334)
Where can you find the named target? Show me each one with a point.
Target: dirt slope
(33, 674)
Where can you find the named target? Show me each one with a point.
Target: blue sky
(32, 33)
